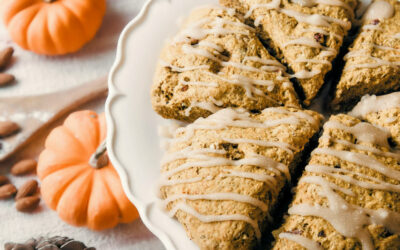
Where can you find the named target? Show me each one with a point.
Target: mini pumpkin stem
(100, 158)
(49, 1)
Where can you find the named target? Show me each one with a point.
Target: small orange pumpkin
(77, 180)
(52, 27)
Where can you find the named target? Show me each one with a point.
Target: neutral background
(39, 74)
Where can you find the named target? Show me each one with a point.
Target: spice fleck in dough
(305, 35)
(373, 63)
(217, 61)
(348, 197)
(222, 175)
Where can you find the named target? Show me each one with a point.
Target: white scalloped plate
(133, 143)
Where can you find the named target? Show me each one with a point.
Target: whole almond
(7, 191)
(28, 189)
(27, 204)
(8, 128)
(5, 56)
(6, 79)
(3, 180)
(24, 167)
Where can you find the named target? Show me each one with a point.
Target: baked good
(305, 35)
(222, 175)
(348, 197)
(373, 63)
(383, 111)
(217, 61)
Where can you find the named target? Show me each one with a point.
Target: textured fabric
(39, 74)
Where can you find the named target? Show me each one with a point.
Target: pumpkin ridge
(31, 29)
(51, 40)
(86, 174)
(105, 181)
(33, 11)
(83, 28)
(58, 167)
(57, 196)
(16, 8)
(71, 133)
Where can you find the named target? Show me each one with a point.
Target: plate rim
(113, 93)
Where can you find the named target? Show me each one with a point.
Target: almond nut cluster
(27, 198)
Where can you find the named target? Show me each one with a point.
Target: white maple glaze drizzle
(219, 197)
(339, 174)
(215, 218)
(377, 61)
(372, 104)
(313, 29)
(230, 11)
(213, 157)
(304, 74)
(379, 10)
(312, 19)
(199, 30)
(360, 159)
(285, 146)
(348, 219)
(183, 69)
(394, 154)
(212, 106)
(368, 27)
(363, 131)
(309, 244)
(396, 36)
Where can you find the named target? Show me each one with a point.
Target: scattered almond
(6, 79)
(28, 189)
(7, 191)
(3, 180)
(24, 167)
(27, 204)
(8, 128)
(5, 56)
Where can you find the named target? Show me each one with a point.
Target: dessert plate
(133, 143)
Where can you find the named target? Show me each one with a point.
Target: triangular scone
(217, 61)
(373, 63)
(383, 111)
(222, 175)
(349, 195)
(305, 35)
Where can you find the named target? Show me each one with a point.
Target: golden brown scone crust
(320, 230)
(235, 234)
(172, 98)
(277, 28)
(357, 82)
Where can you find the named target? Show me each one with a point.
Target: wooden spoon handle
(33, 113)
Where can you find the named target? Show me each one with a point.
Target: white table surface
(39, 74)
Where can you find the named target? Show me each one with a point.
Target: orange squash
(52, 27)
(77, 180)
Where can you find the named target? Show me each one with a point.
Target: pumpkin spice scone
(217, 61)
(305, 35)
(222, 175)
(373, 63)
(349, 195)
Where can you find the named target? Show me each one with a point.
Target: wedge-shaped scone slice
(305, 35)
(349, 195)
(373, 63)
(217, 61)
(222, 175)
